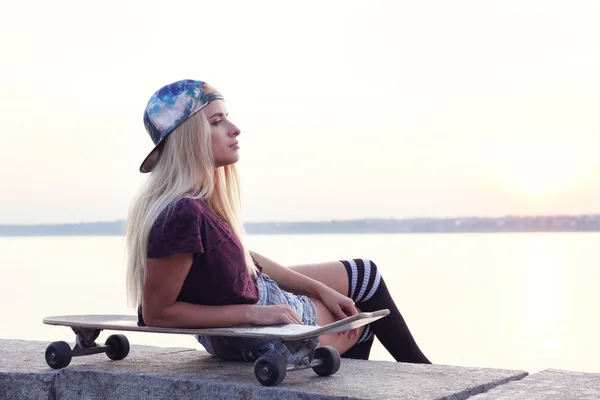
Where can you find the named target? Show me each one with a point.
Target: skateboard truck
(59, 354)
(271, 369)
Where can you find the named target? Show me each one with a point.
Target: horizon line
(562, 215)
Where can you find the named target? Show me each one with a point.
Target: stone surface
(549, 384)
(21, 374)
(158, 373)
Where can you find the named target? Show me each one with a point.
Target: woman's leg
(360, 280)
(341, 342)
(333, 274)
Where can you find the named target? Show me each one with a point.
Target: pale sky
(348, 109)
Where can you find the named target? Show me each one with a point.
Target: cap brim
(150, 160)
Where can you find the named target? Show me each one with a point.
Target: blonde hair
(185, 169)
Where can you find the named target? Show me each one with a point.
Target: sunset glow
(541, 170)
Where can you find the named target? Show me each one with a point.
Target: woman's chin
(223, 163)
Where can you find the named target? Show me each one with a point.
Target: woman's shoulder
(196, 207)
(178, 229)
(187, 206)
(183, 209)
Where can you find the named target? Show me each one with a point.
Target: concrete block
(549, 384)
(180, 373)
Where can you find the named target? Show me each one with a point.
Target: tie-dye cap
(169, 107)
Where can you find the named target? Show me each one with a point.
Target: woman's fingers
(287, 315)
(274, 315)
(339, 313)
(350, 307)
(350, 310)
(294, 317)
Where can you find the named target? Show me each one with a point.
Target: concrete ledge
(159, 373)
(549, 384)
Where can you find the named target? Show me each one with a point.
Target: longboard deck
(284, 332)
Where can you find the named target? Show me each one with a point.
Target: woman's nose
(234, 131)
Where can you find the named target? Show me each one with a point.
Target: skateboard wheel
(330, 358)
(58, 355)
(118, 347)
(270, 369)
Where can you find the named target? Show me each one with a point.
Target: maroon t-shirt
(218, 274)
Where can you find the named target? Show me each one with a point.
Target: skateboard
(269, 370)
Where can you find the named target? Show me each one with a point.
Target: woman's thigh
(332, 274)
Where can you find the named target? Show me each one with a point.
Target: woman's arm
(288, 279)
(341, 306)
(163, 283)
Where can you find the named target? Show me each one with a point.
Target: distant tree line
(579, 223)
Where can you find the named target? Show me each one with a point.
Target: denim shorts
(250, 349)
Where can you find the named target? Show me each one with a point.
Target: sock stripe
(365, 282)
(374, 287)
(354, 269)
(363, 274)
(373, 276)
(366, 335)
(360, 277)
(349, 272)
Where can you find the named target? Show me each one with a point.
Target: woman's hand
(272, 315)
(339, 305)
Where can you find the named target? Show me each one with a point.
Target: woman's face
(223, 134)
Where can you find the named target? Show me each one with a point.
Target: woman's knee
(363, 276)
(348, 277)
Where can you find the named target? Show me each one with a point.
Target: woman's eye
(217, 122)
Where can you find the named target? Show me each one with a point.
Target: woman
(188, 266)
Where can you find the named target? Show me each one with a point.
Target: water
(518, 301)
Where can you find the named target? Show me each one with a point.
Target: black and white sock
(369, 292)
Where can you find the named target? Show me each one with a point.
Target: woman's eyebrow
(219, 114)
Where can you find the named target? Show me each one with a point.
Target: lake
(525, 301)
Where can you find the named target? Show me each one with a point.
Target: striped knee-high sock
(369, 291)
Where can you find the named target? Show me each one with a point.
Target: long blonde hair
(185, 168)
